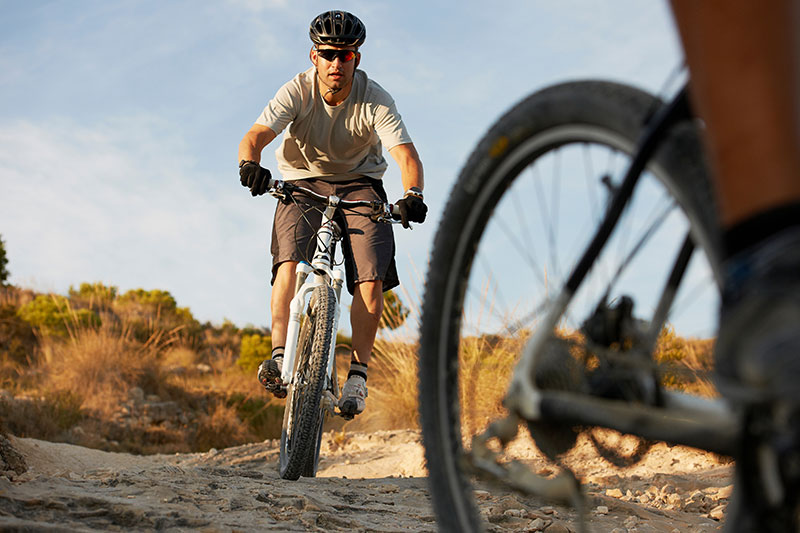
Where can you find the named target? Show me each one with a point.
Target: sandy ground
(367, 482)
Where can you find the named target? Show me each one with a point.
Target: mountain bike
(580, 236)
(309, 367)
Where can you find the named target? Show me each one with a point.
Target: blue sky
(120, 122)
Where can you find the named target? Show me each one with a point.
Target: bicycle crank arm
(489, 464)
(717, 432)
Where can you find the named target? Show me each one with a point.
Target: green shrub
(394, 312)
(254, 349)
(3, 263)
(52, 315)
(147, 312)
(93, 295)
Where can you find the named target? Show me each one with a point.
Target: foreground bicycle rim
(521, 213)
(303, 415)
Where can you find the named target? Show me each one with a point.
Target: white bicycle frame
(322, 271)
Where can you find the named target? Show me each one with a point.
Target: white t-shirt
(335, 143)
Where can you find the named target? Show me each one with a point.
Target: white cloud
(127, 206)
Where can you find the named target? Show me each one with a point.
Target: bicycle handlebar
(382, 211)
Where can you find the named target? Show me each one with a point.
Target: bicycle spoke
(591, 187)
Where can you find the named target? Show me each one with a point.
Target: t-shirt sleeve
(389, 125)
(282, 109)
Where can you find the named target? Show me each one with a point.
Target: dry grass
(220, 428)
(100, 365)
(78, 389)
(485, 367)
(393, 384)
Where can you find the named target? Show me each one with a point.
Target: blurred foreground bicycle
(581, 231)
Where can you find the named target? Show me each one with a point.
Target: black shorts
(368, 247)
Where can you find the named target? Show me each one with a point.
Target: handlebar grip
(395, 212)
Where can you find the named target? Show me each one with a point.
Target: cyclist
(744, 59)
(338, 121)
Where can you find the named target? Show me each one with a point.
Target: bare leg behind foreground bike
(744, 59)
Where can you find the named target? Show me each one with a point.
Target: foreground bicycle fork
(665, 416)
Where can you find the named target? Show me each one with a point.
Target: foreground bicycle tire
(303, 415)
(573, 113)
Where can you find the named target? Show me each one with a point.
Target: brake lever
(383, 212)
(276, 190)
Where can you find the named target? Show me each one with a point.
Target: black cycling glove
(412, 209)
(254, 177)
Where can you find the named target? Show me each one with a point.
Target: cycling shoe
(269, 375)
(353, 398)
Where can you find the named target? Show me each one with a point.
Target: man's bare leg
(745, 80)
(365, 316)
(282, 294)
(269, 371)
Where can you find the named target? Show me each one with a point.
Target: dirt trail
(367, 482)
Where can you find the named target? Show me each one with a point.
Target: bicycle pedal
(275, 388)
(280, 393)
(329, 404)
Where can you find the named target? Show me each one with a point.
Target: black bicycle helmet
(337, 28)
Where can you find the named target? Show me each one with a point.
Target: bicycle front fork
(303, 287)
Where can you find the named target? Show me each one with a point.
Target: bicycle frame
(683, 419)
(322, 274)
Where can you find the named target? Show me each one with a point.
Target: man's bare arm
(410, 165)
(254, 142)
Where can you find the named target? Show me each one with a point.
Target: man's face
(335, 65)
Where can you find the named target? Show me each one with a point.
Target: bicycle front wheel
(304, 415)
(522, 212)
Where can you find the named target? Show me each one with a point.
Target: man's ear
(312, 55)
(358, 59)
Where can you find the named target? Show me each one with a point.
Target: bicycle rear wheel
(521, 213)
(303, 416)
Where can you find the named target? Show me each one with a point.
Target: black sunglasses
(344, 56)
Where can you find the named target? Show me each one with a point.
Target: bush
(52, 315)
(47, 417)
(254, 349)
(3, 263)
(394, 312)
(93, 295)
(17, 341)
(220, 428)
(149, 311)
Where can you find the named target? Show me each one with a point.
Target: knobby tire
(303, 416)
